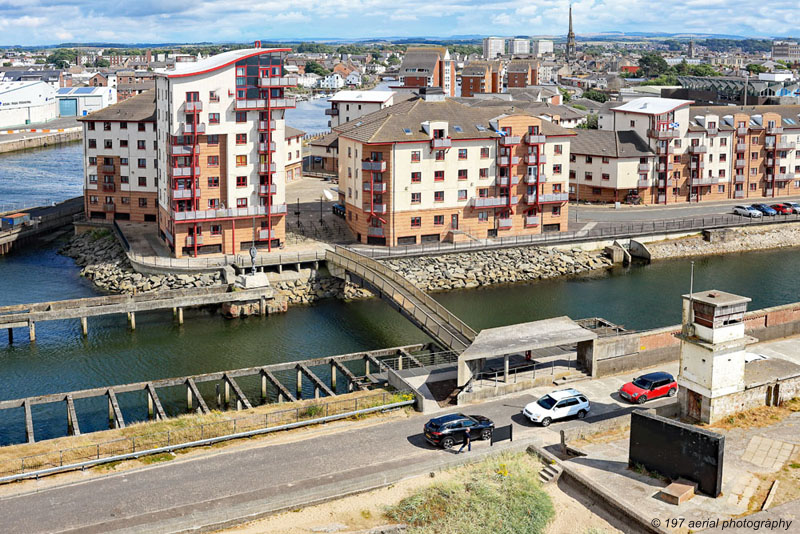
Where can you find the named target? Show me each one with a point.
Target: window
(93, 199)
(678, 143)
(483, 216)
(142, 163)
(92, 178)
(123, 143)
(416, 177)
(90, 126)
(720, 189)
(438, 220)
(216, 229)
(241, 181)
(126, 200)
(723, 141)
(107, 126)
(462, 174)
(241, 161)
(213, 203)
(588, 159)
(142, 202)
(108, 143)
(633, 124)
(754, 140)
(556, 210)
(92, 143)
(123, 179)
(241, 116)
(483, 173)
(140, 144)
(438, 176)
(213, 118)
(416, 198)
(213, 97)
(213, 139)
(723, 157)
(416, 222)
(241, 202)
(484, 153)
(213, 181)
(605, 176)
(142, 127)
(587, 176)
(438, 196)
(557, 169)
(462, 153)
(122, 161)
(241, 138)
(754, 155)
(605, 159)
(213, 161)
(462, 194)
(440, 155)
(142, 181)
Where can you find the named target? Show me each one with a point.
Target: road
(240, 482)
(65, 122)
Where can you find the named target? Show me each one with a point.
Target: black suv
(447, 430)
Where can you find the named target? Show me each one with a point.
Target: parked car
(766, 210)
(557, 405)
(746, 211)
(782, 209)
(649, 386)
(794, 206)
(753, 357)
(447, 430)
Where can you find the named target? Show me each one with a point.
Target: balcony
(712, 131)
(109, 207)
(533, 159)
(374, 231)
(662, 134)
(508, 160)
(739, 178)
(707, 180)
(664, 150)
(266, 125)
(244, 105)
(261, 103)
(279, 81)
(109, 188)
(643, 183)
(266, 147)
(198, 128)
(741, 147)
(742, 130)
(698, 149)
(533, 139)
(774, 130)
(738, 194)
(504, 224)
(276, 209)
(510, 140)
(505, 180)
(786, 145)
(333, 111)
(442, 142)
(184, 150)
(662, 199)
(374, 208)
(269, 189)
(785, 177)
(370, 165)
(192, 240)
(554, 197)
(768, 192)
(375, 187)
(532, 178)
(193, 107)
(185, 171)
(644, 167)
(264, 234)
(531, 220)
(186, 216)
(494, 202)
(741, 163)
(185, 193)
(697, 165)
(265, 168)
(664, 167)
(769, 162)
(283, 103)
(108, 168)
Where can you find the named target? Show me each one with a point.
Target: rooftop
(649, 105)
(361, 96)
(141, 107)
(191, 68)
(615, 144)
(713, 297)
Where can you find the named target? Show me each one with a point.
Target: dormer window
(438, 134)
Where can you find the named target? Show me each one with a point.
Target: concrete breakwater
(741, 239)
(474, 269)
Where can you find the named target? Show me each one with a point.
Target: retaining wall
(41, 141)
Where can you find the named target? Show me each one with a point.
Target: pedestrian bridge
(418, 307)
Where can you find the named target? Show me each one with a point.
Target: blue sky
(32, 22)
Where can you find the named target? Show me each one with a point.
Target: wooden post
(110, 413)
(73, 428)
(262, 306)
(299, 384)
(84, 326)
(28, 421)
(227, 393)
(150, 412)
(263, 387)
(366, 366)
(10, 336)
(132, 320)
(189, 398)
(180, 315)
(32, 331)
(333, 377)
(400, 362)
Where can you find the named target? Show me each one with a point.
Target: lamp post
(320, 209)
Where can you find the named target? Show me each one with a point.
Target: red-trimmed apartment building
(428, 66)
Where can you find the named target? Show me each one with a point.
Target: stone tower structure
(571, 49)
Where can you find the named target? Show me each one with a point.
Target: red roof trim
(261, 51)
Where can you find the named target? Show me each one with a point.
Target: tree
(597, 96)
(393, 60)
(755, 68)
(652, 65)
(100, 62)
(312, 67)
(6, 63)
(590, 124)
(565, 96)
(62, 58)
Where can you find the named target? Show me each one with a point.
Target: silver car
(747, 211)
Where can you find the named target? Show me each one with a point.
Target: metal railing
(197, 435)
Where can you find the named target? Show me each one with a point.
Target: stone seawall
(742, 239)
(40, 141)
(474, 269)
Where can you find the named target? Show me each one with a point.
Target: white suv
(557, 405)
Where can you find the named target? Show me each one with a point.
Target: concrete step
(573, 376)
(550, 473)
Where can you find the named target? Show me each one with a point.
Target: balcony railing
(269, 189)
(194, 107)
(786, 145)
(506, 160)
(191, 240)
(664, 167)
(774, 130)
(494, 202)
(742, 130)
(375, 208)
(109, 188)
(262, 103)
(532, 139)
(375, 231)
(442, 142)
(332, 111)
(769, 162)
(533, 159)
(184, 150)
(643, 183)
(662, 134)
(277, 209)
(266, 125)
(265, 168)
(109, 207)
(697, 164)
(739, 178)
(510, 140)
(370, 165)
(184, 216)
(108, 168)
(375, 187)
(554, 197)
(785, 177)
(644, 167)
(531, 178)
(698, 149)
(531, 220)
(662, 199)
(185, 193)
(663, 150)
(706, 180)
(738, 194)
(712, 131)
(741, 147)
(768, 192)
(505, 180)
(504, 224)
(185, 171)
(265, 233)
(194, 128)
(288, 102)
(279, 81)
(267, 147)
(741, 163)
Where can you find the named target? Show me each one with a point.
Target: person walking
(467, 443)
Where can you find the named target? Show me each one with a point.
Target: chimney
(431, 94)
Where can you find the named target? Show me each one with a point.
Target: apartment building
(482, 77)
(428, 66)
(493, 47)
(519, 45)
(523, 72)
(542, 47)
(786, 50)
(221, 181)
(431, 169)
(705, 152)
(349, 105)
(120, 161)
(294, 154)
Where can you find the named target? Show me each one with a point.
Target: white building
(519, 46)
(353, 79)
(542, 47)
(332, 81)
(26, 103)
(308, 79)
(80, 101)
(493, 47)
(349, 105)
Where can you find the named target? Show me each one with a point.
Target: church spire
(571, 48)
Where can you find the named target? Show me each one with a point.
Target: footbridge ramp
(422, 310)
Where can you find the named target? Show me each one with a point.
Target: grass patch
(500, 495)
(758, 417)
(157, 458)
(99, 233)
(642, 470)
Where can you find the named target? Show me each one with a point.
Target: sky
(41, 22)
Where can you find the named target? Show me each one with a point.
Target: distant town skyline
(47, 22)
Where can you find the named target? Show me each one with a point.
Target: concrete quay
(44, 219)
(39, 138)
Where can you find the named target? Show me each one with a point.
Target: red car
(782, 209)
(649, 386)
